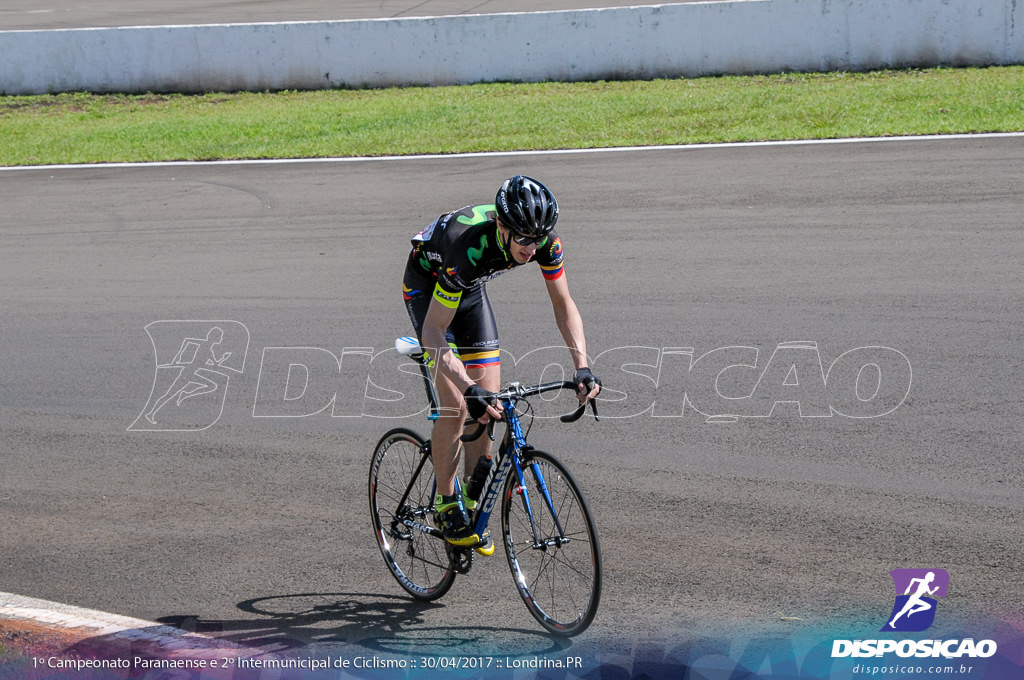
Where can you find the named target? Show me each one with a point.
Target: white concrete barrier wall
(692, 39)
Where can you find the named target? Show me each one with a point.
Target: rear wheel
(555, 558)
(401, 507)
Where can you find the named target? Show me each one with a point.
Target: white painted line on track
(501, 154)
(89, 623)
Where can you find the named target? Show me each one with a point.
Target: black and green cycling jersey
(450, 262)
(462, 250)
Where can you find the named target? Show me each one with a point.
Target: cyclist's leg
(476, 334)
(450, 512)
(417, 290)
(473, 329)
(489, 378)
(447, 430)
(450, 426)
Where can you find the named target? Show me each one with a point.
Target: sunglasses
(527, 240)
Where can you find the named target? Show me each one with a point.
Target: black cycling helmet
(525, 206)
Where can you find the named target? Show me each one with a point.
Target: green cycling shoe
(450, 518)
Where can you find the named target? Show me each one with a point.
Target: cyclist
(445, 294)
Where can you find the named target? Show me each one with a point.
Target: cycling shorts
(473, 332)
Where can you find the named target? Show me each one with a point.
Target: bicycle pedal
(485, 547)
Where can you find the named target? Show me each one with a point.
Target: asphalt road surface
(895, 266)
(53, 14)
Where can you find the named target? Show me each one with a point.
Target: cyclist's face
(521, 254)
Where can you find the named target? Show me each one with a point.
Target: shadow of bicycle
(280, 624)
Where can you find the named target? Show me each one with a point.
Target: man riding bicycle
(445, 294)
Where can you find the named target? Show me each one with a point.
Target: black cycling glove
(477, 401)
(584, 375)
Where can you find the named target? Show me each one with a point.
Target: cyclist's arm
(570, 323)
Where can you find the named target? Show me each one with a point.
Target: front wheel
(401, 506)
(551, 545)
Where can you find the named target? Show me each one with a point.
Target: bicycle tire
(559, 583)
(417, 560)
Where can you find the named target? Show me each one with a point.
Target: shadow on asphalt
(312, 622)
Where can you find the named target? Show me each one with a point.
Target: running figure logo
(194, 363)
(916, 590)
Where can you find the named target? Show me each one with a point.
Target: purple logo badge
(916, 590)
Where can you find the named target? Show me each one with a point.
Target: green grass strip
(87, 128)
(10, 654)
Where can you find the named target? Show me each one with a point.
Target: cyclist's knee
(487, 377)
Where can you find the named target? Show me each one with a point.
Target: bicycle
(549, 535)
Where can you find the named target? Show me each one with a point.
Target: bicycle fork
(517, 440)
(540, 543)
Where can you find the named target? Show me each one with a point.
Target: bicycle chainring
(461, 558)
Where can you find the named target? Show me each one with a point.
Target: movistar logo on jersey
(475, 254)
(479, 215)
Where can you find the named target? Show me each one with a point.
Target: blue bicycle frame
(509, 460)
